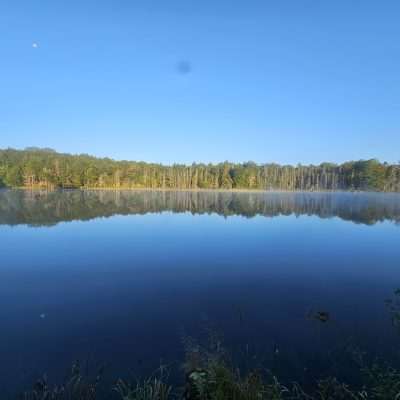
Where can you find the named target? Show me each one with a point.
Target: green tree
(14, 176)
(45, 168)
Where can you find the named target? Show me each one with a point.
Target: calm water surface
(122, 277)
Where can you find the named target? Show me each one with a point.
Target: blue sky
(182, 81)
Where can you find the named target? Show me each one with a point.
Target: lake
(125, 278)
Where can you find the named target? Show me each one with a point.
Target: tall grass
(210, 374)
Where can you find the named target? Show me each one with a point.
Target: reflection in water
(300, 294)
(40, 208)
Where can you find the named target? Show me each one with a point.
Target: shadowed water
(126, 289)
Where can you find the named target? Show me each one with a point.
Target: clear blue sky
(211, 80)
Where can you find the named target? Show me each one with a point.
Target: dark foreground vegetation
(210, 374)
(48, 169)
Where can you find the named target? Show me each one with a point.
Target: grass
(210, 374)
(77, 387)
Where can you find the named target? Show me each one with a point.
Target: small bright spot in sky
(35, 45)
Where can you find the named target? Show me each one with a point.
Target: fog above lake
(42, 208)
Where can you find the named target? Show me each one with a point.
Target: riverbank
(208, 190)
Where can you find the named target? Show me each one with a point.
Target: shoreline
(208, 190)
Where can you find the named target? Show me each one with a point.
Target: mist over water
(48, 208)
(251, 266)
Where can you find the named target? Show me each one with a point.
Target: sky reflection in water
(125, 289)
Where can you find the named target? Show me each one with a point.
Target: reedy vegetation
(46, 168)
(215, 379)
(210, 375)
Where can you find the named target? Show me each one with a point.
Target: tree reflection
(41, 208)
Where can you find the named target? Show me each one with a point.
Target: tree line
(45, 168)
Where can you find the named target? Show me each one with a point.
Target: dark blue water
(123, 277)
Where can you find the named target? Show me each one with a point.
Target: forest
(46, 168)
